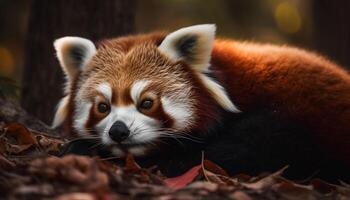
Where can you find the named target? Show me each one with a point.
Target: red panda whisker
(139, 129)
(132, 123)
(182, 137)
(170, 137)
(96, 145)
(186, 137)
(90, 137)
(110, 158)
(89, 131)
(181, 134)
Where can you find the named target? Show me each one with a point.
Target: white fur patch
(81, 115)
(137, 150)
(61, 112)
(117, 152)
(137, 89)
(63, 48)
(178, 110)
(200, 61)
(218, 93)
(106, 90)
(141, 126)
(200, 58)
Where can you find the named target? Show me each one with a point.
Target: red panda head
(132, 91)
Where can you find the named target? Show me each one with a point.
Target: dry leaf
(265, 182)
(20, 133)
(2, 146)
(130, 163)
(5, 163)
(76, 196)
(214, 173)
(210, 166)
(322, 186)
(17, 149)
(49, 144)
(183, 180)
(240, 196)
(326, 188)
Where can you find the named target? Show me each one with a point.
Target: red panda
(133, 91)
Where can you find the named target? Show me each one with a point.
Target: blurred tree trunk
(49, 20)
(332, 29)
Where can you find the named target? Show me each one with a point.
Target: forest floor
(30, 168)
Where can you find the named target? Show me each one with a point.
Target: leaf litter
(31, 168)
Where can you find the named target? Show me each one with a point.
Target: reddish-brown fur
(297, 84)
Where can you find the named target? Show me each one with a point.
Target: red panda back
(299, 85)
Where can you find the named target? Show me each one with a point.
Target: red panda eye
(102, 107)
(146, 104)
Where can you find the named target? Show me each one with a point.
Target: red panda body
(132, 92)
(298, 85)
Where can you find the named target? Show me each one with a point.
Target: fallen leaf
(183, 180)
(214, 168)
(240, 196)
(265, 182)
(326, 188)
(242, 177)
(130, 163)
(211, 187)
(214, 173)
(2, 146)
(322, 186)
(76, 196)
(20, 133)
(80, 170)
(5, 163)
(50, 145)
(291, 190)
(17, 149)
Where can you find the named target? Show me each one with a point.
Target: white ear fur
(192, 44)
(73, 53)
(61, 112)
(218, 93)
(197, 54)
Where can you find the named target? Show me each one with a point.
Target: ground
(31, 168)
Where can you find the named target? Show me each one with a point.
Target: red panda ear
(61, 112)
(73, 53)
(192, 44)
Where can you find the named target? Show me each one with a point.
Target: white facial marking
(205, 35)
(61, 112)
(218, 93)
(141, 126)
(137, 89)
(81, 116)
(106, 90)
(200, 58)
(180, 111)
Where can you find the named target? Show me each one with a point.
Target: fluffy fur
(198, 84)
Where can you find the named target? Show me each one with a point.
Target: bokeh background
(30, 74)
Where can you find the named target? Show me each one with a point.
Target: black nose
(119, 131)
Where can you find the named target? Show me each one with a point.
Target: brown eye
(146, 104)
(102, 107)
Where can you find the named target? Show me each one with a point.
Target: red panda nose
(119, 131)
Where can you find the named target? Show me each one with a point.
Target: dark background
(30, 74)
